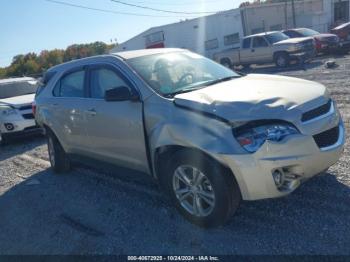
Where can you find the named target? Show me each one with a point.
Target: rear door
(68, 106)
(115, 128)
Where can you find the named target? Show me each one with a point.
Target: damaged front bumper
(297, 158)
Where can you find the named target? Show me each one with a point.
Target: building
(204, 35)
(319, 15)
(211, 34)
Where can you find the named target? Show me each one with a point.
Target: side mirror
(120, 93)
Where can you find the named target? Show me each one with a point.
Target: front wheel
(58, 158)
(203, 192)
(282, 60)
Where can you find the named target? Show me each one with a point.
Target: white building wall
(315, 14)
(192, 34)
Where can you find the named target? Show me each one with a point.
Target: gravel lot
(119, 212)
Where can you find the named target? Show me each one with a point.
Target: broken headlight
(251, 139)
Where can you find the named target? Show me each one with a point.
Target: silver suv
(210, 136)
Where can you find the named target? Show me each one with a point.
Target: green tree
(36, 64)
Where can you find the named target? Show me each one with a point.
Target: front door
(115, 128)
(262, 50)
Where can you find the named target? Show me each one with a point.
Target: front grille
(25, 107)
(327, 138)
(319, 111)
(28, 116)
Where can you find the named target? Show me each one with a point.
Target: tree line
(32, 64)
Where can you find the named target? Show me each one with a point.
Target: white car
(16, 98)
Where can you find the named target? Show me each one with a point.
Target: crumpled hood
(18, 100)
(256, 96)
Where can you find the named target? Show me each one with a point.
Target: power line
(162, 10)
(105, 10)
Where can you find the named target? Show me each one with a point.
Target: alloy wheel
(193, 191)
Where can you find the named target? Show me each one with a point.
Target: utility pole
(285, 15)
(293, 11)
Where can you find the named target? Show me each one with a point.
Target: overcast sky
(35, 25)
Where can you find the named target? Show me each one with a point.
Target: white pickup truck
(267, 48)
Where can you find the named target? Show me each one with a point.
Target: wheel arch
(48, 129)
(226, 60)
(162, 155)
(275, 54)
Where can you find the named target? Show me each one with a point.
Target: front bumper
(298, 156)
(18, 127)
(303, 55)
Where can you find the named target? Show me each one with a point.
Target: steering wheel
(182, 79)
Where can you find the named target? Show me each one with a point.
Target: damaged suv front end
(289, 130)
(272, 132)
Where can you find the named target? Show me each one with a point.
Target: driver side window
(103, 79)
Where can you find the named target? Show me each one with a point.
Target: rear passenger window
(71, 85)
(246, 43)
(104, 79)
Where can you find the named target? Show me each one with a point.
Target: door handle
(91, 112)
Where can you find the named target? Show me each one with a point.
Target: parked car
(343, 32)
(16, 98)
(267, 47)
(323, 42)
(209, 135)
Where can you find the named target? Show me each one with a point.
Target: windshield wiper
(220, 80)
(182, 91)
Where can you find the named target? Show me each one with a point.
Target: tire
(217, 192)
(246, 66)
(282, 60)
(59, 160)
(226, 63)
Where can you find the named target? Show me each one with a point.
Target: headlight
(7, 110)
(253, 138)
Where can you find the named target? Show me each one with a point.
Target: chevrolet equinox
(210, 136)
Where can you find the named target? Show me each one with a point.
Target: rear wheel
(58, 158)
(202, 191)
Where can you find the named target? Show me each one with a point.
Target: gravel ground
(119, 212)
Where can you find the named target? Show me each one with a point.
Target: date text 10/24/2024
(173, 258)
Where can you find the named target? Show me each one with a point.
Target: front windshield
(178, 72)
(13, 89)
(276, 37)
(308, 32)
